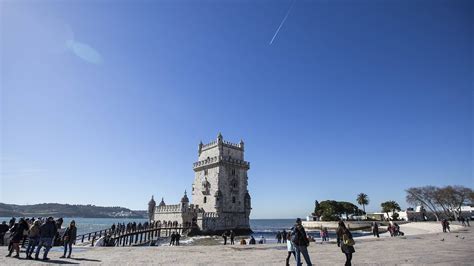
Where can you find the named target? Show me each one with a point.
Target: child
(291, 249)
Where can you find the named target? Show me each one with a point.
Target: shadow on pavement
(84, 259)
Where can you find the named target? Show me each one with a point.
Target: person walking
(47, 232)
(447, 226)
(326, 234)
(15, 238)
(345, 241)
(224, 235)
(290, 248)
(375, 229)
(232, 236)
(12, 222)
(69, 238)
(33, 239)
(300, 242)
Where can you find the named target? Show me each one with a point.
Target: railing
(145, 236)
(132, 237)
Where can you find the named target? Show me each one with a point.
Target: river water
(267, 228)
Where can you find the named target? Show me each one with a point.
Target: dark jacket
(340, 233)
(70, 235)
(18, 230)
(298, 236)
(48, 229)
(3, 228)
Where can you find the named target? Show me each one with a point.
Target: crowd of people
(394, 229)
(174, 238)
(36, 234)
(297, 242)
(132, 227)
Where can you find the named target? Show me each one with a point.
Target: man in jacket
(300, 242)
(3, 229)
(47, 232)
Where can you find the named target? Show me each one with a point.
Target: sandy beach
(424, 243)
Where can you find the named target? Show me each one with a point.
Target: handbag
(347, 240)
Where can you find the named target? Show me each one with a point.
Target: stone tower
(220, 186)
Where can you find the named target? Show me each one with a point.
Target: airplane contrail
(282, 22)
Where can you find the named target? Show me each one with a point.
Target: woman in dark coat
(347, 246)
(16, 236)
(69, 238)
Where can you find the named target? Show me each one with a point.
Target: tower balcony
(220, 160)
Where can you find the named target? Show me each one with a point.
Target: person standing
(3, 230)
(33, 239)
(345, 241)
(224, 235)
(177, 237)
(173, 239)
(232, 236)
(47, 232)
(290, 248)
(69, 238)
(375, 229)
(284, 234)
(252, 241)
(300, 242)
(278, 237)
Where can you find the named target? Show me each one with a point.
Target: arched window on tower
(205, 199)
(233, 199)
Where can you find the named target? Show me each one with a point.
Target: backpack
(347, 240)
(299, 238)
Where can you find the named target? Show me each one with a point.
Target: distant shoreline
(68, 210)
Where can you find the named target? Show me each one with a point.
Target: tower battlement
(219, 159)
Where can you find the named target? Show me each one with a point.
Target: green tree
(390, 206)
(363, 200)
(331, 210)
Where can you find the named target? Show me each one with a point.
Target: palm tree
(390, 206)
(363, 200)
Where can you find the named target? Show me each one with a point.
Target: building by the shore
(220, 196)
(419, 214)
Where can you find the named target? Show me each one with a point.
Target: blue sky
(105, 102)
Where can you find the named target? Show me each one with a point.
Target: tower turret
(200, 147)
(151, 208)
(162, 203)
(184, 201)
